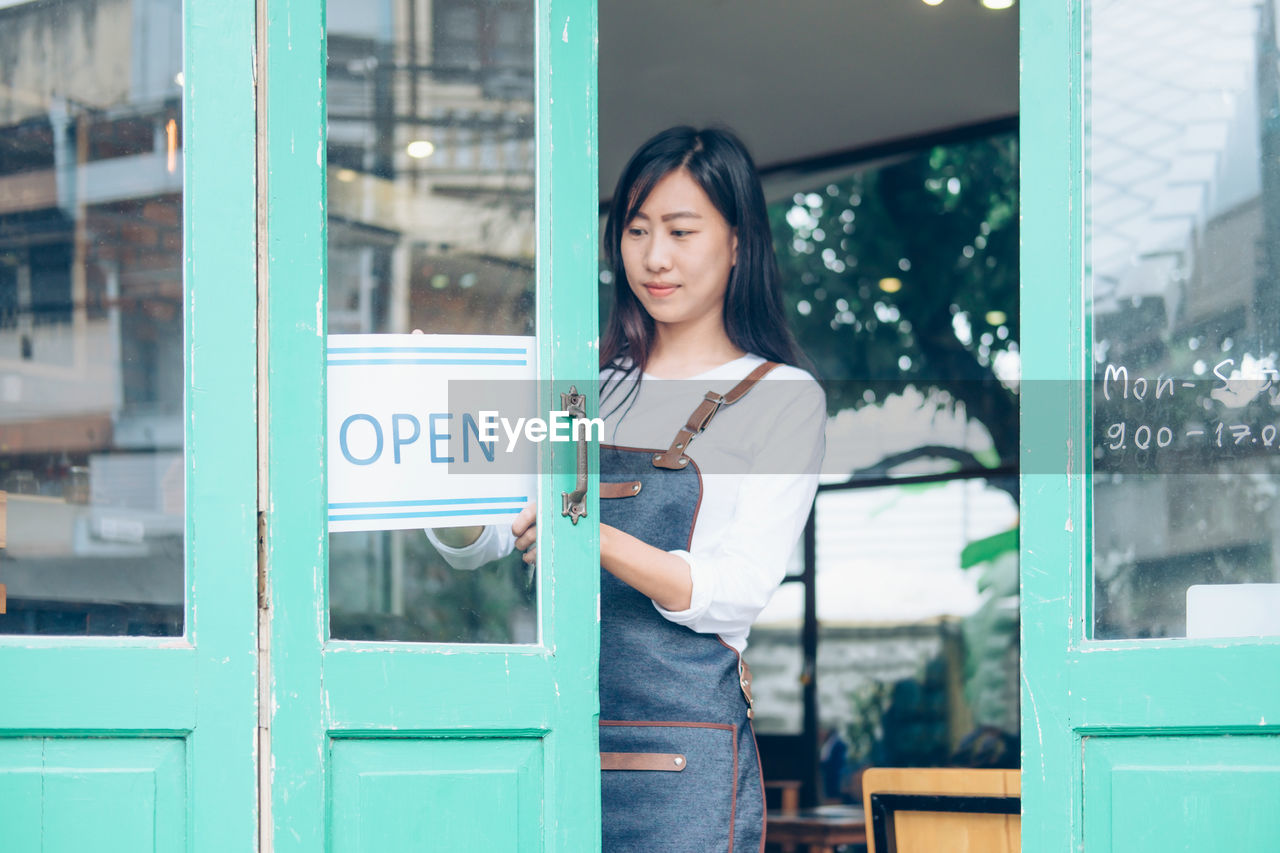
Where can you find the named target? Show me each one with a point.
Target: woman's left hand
(525, 528)
(662, 576)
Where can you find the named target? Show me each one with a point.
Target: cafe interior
(888, 661)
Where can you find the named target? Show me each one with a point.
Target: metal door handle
(575, 504)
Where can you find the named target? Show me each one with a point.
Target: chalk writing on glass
(1238, 407)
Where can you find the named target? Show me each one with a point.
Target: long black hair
(720, 164)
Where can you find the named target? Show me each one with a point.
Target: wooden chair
(942, 810)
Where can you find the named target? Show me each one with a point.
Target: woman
(694, 534)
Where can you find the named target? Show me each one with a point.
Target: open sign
(415, 434)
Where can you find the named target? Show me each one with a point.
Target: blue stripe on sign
(333, 362)
(435, 502)
(437, 514)
(484, 350)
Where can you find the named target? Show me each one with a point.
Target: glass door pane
(1183, 237)
(431, 196)
(91, 318)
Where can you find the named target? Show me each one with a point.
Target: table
(821, 829)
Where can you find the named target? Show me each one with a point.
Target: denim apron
(679, 768)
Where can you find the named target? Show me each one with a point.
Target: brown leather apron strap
(620, 490)
(672, 762)
(673, 457)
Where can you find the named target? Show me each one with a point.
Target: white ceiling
(800, 78)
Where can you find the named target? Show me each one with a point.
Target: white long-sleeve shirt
(759, 461)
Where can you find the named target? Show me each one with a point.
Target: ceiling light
(997, 4)
(420, 148)
(933, 2)
(346, 175)
(891, 285)
(178, 79)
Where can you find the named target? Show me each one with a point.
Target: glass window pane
(91, 322)
(431, 175)
(1183, 258)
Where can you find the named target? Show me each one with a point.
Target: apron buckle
(716, 401)
(744, 681)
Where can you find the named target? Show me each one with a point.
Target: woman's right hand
(525, 528)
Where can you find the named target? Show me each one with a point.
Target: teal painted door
(1150, 706)
(428, 165)
(127, 427)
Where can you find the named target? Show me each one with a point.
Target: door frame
(200, 687)
(1075, 687)
(1052, 503)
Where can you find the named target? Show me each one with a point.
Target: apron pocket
(647, 809)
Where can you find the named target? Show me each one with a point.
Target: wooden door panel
(21, 762)
(1215, 792)
(65, 794)
(409, 794)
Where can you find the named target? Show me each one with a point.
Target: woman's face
(677, 252)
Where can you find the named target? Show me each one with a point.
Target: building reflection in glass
(431, 186)
(91, 317)
(1183, 235)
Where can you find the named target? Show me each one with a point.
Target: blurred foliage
(991, 633)
(862, 730)
(907, 275)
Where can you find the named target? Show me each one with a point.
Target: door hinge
(262, 561)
